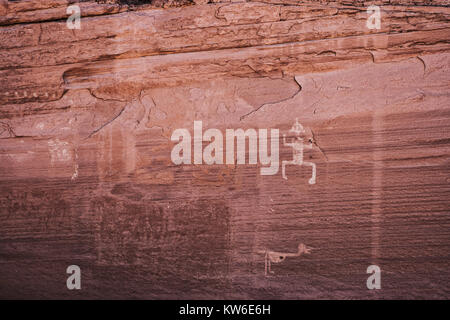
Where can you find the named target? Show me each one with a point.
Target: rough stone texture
(86, 177)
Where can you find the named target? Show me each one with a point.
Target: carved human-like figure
(297, 152)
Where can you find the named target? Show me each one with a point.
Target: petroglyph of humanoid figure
(297, 152)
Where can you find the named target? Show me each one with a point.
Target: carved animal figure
(277, 257)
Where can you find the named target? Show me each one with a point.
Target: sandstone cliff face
(87, 179)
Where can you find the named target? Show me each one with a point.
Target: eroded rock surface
(86, 175)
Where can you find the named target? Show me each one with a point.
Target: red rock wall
(87, 179)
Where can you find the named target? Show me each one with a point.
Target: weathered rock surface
(86, 175)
